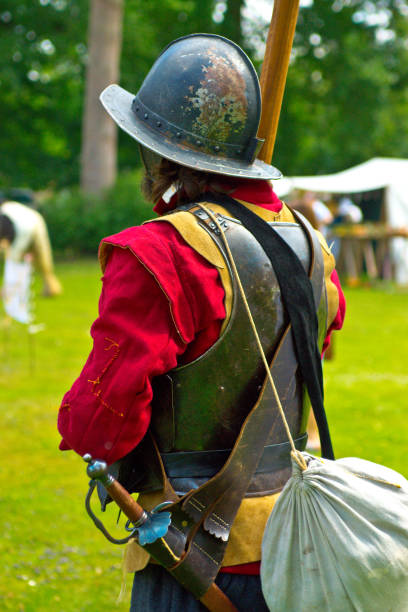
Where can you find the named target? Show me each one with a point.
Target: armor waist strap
(190, 469)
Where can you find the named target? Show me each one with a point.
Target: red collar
(252, 191)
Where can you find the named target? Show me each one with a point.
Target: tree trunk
(232, 21)
(99, 133)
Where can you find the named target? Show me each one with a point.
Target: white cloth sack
(337, 540)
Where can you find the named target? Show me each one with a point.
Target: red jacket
(161, 304)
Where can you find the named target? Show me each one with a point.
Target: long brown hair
(189, 183)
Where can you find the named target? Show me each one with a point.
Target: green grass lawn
(52, 556)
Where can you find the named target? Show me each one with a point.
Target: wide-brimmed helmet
(199, 106)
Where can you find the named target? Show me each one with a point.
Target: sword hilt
(98, 470)
(149, 525)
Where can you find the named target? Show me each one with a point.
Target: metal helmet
(199, 106)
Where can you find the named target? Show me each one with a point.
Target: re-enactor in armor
(175, 369)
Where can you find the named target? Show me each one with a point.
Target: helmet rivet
(178, 135)
(216, 148)
(158, 123)
(146, 116)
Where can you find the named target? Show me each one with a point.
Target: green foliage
(347, 79)
(77, 222)
(346, 98)
(42, 61)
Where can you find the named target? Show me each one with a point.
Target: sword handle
(98, 470)
(126, 503)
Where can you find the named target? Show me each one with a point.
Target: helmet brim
(118, 104)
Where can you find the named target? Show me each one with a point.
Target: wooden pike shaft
(274, 71)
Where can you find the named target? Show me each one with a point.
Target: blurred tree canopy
(347, 91)
(346, 98)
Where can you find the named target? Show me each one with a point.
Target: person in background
(316, 211)
(348, 212)
(170, 311)
(23, 232)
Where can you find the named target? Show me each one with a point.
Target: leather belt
(190, 469)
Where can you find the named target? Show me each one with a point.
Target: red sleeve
(338, 320)
(135, 338)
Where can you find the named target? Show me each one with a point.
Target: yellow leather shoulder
(198, 238)
(187, 226)
(331, 289)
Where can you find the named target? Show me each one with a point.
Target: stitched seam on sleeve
(97, 392)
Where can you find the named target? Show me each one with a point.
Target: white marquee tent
(378, 173)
